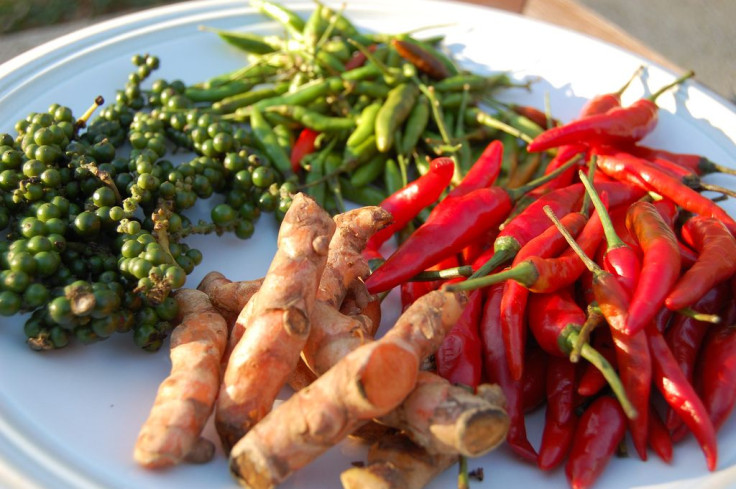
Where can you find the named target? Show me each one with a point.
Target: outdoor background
(693, 34)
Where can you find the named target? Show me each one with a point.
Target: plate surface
(69, 419)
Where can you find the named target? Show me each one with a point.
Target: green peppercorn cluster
(94, 209)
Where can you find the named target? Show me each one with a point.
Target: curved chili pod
(459, 356)
(560, 419)
(717, 374)
(421, 58)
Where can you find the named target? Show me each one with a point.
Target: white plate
(69, 419)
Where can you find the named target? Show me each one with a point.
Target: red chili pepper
(639, 172)
(545, 275)
(619, 125)
(358, 58)
(303, 146)
(497, 370)
(599, 432)
(680, 395)
(560, 419)
(592, 380)
(413, 290)
(513, 304)
(532, 221)
(696, 163)
(660, 265)
(483, 173)
(422, 59)
(659, 437)
(407, 202)
(461, 221)
(459, 355)
(716, 261)
(716, 378)
(555, 320)
(602, 103)
(685, 336)
(533, 389)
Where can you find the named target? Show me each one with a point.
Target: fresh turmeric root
(278, 321)
(185, 399)
(444, 418)
(349, 394)
(227, 296)
(395, 462)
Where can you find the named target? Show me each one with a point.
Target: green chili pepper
(393, 113)
(366, 195)
(474, 82)
(344, 26)
(316, 187)
(301, 96)
(476, 115)
(332, 166)
(230, 104)
(329, 62)
(370, 88)
(365, 72)
(366, 173)
(312, 119)
(286, 17)
(219, 92)
(314, 28)
(359, 154)
(365, 126)
(338, 48)
(245, 41)
(415, 125)
(284, 137)
(269, 142)
(392, 179)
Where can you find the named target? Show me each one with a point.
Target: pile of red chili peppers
(626, 325)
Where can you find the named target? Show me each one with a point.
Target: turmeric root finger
(278, 323)
(186, 397)
(355, 390)
(227, 296)
(395, 462)
(444, 418)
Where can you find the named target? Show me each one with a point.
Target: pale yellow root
(278, 323)
(444, 418)
(367, 383)
(185, 399)
(395, 462)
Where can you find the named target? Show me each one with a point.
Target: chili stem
(590, 264)
(700, 316)
(595, 318)
(524, 273)
(609, 373)
(613, 240)
(447, 273)
(717, 188)
(633, 77)
(681, 79)
(462, 477)
(585, 210)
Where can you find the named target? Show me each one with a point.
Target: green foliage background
(17, 15)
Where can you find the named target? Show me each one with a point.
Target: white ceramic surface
(69, 419)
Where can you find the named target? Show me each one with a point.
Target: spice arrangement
(541, 264)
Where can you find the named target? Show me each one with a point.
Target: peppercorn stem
(82, 121)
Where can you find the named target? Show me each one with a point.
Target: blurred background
(691, 34)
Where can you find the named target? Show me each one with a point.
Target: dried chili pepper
(716, 261)
(680, 394)
(421, 58)
(406, 203)
(548, 244)
(618, 125)
(600, 430)
(560, 418)
(459, 355)
(497, 371)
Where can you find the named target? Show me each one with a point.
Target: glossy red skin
(462, 221)
(303, 146)
(591, 380)
(484, 171)
(618, 125)
(407, 202)
(685, 336)
(600, 430)
(660, 263)
(459, 355)
(637, 171)
(560, 419)
(681, 396)
(659, 437)
(716, 262)
(549, 315)
(533, 388)
(497, 371)
(513, 305)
